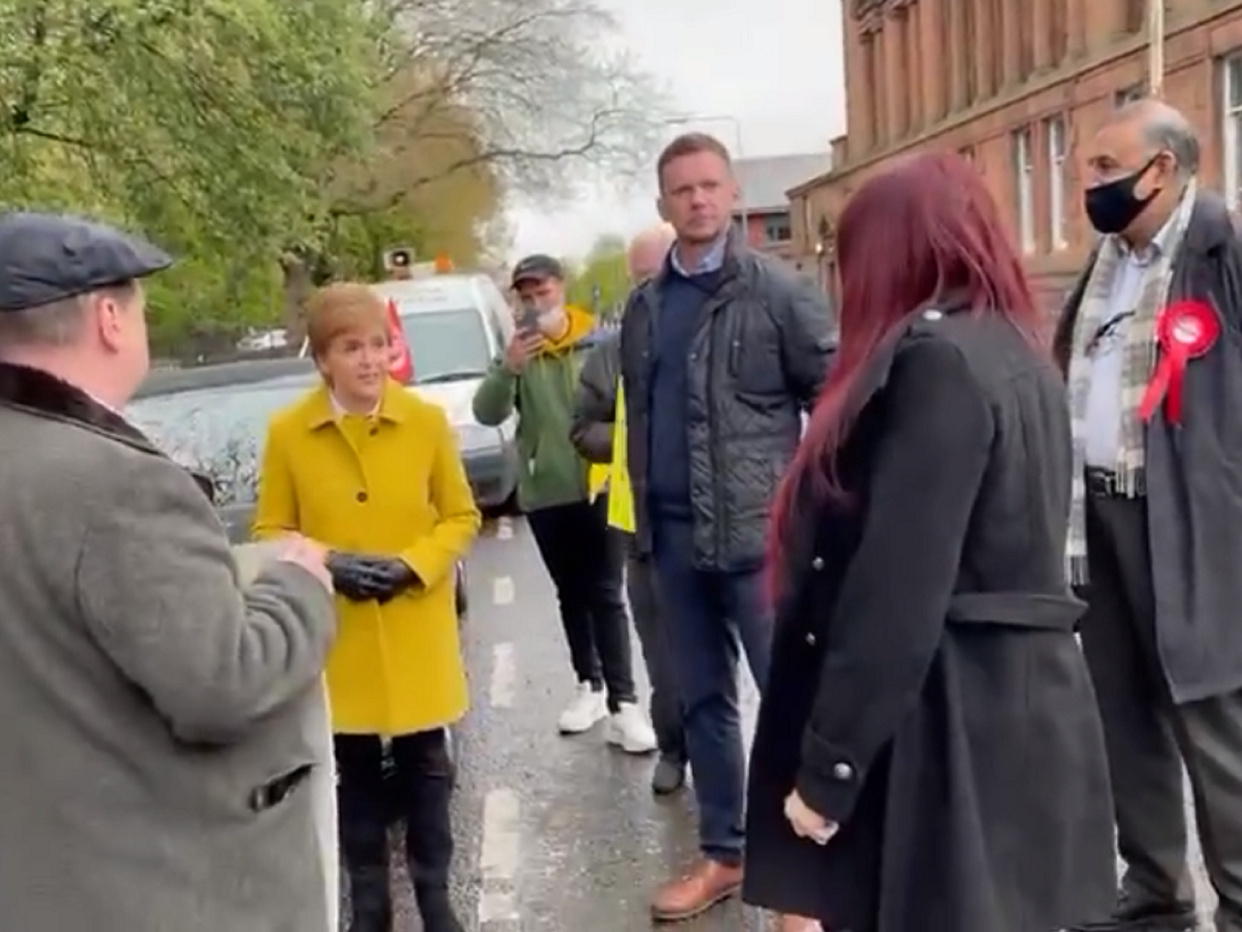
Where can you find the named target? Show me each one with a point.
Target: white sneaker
(630, 729)
(587, 708)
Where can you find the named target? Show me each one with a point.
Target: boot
(369, 899)
(364, 843)
(429, 844)
(436, 909)
(426, 774)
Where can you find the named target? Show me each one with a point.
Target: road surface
(554, 834)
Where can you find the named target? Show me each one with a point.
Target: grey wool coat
(161, 724)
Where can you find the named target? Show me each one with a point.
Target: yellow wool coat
(392, 484)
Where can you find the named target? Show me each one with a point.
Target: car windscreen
(219, 430)
(445, 345)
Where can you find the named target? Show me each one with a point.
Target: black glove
(390, 575)
(363, 578)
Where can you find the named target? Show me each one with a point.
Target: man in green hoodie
(537, 377)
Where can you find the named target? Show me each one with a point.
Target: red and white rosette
(1185, 330)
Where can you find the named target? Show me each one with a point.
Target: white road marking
(502, 591)
(498, 856)
(504, 529)
(504, 676)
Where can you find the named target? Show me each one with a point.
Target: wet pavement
(554, 834)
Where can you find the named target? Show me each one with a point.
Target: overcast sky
(774, 65)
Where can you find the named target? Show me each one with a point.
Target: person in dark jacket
(929, 756)
(594, 414)
(1161, 629)
(721, 353)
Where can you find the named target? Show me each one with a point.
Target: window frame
(1230, 114)
(1056, 130)
(783, 221)
(1023, 143)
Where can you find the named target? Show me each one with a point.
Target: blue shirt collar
(712, 261)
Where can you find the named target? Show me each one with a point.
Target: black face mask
(1112, 207)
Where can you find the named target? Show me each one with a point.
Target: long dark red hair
(925, 229)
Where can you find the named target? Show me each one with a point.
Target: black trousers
(1150, 738)
(667, 711)
(586, 560)
(419, 787)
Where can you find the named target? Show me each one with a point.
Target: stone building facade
(1015, 85)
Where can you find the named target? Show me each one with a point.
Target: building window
(1136, 15)
(1058, 33)
(969, 25)
(996, 57)
(1128, 95)
(1024, 175)
(871, 68)
(1231, 113)
(1058, 228)
(776, 228)
(946, 100)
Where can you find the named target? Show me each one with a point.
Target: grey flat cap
(47, 257)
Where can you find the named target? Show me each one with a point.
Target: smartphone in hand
(528, 321)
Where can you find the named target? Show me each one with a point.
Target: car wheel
(460, 593)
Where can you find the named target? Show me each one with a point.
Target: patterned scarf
(1139, 359)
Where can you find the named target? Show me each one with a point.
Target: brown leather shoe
(708, 883)
(788, 923)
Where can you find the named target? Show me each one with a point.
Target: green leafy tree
(275, 144)
(201, 123)
(602, 282)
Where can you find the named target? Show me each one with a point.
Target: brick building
(763, 203)
(1015, 85)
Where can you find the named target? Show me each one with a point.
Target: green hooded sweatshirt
(543, 395)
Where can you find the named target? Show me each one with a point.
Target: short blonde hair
(341, 308)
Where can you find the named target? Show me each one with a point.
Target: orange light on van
(443, 264)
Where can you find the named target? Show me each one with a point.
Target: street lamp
(737, 136)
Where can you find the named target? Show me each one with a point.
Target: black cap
(48, 257)
(537, 268)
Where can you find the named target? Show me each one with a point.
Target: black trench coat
(926, 689)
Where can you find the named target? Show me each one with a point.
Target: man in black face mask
(1151, 344)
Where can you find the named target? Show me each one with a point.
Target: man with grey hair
(1151, 343)
(594, 411)
(163, 722)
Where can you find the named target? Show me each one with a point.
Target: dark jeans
(651, 623)
(420, 786)
(586, 560)
(712, 616)
(1149, 738)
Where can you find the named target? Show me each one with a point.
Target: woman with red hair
(929, 757)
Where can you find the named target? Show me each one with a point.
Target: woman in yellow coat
(368, 469)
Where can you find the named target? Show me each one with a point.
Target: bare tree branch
(528, 92)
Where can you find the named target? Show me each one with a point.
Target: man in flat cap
(159, 719)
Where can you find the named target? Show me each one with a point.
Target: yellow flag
(620, 496)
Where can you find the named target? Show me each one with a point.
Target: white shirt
(339, 409)
(1104, 414)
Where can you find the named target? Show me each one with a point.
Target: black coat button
(361, 496)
